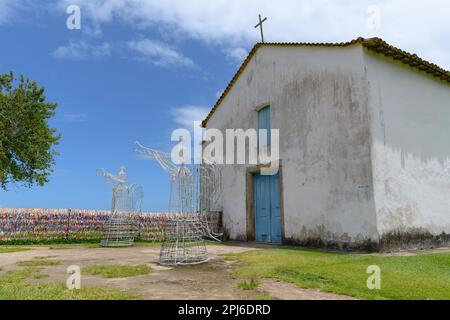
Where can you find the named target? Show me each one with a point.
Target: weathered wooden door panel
(267, 208)
(275, 208)
(262, 209)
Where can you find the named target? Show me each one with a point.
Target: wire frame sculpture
(208, 196)
(120, 228)
(183, 243)
(191, 196)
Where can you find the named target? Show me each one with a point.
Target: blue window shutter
(264, 122)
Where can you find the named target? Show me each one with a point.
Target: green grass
(12, 249)
(65, 246)
(75, 245)
(39, 263)
(410, 277)
(47, 242)
(39, 275)
(213, 243)
(250, 284)
(62, 246)
(117, 270)
(94, 245)
(135, 244)
(43, 257)
(14, 285)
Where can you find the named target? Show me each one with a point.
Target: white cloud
(74, 117)
(414, 25)
(219, 94)
(186, 116)
(83, 50)
(159, 53)
(93, 30)
(237, 55)
(6, 10)
(9, 10)
(155, 52)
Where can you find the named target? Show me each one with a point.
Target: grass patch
(14, 285)
(213, 243)
(117, 270)
(12, 249)
(67, 246)
(95, 245)
(250, 284)
(140, 243)
(41, 263)
(43, 257)
(135, 244)
(62, 246)
(39, 275)
(55, 241)
(409, 277)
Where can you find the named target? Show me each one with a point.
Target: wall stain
(413, 239)
(393, 241)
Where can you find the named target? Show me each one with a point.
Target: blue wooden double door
(266, 196)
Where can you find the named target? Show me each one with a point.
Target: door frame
(250, 204)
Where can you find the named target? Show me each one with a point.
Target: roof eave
(374, 44)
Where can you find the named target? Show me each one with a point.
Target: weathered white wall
(410, 127)
(318, 99)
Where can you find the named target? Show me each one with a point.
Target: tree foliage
(26, 140)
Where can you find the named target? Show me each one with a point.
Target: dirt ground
(212, 280)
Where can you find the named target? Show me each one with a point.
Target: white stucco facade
(410, 150)
(363, 144)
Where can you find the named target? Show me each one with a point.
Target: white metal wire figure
(183, 237)
(119, 229)
(181, 180)
(193, 189)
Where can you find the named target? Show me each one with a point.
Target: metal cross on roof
(260, 25)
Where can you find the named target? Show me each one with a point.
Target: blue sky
(139, 69)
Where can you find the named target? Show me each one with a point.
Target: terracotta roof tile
(374, 44)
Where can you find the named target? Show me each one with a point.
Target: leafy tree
(26, 140)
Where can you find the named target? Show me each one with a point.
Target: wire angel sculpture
(181, 179)
(119, 229)
(190, 190)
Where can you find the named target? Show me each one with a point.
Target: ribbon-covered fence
(34, 225)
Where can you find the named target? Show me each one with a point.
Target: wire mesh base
(118, 232)
(183, 243)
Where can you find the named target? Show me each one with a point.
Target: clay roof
(374, 44)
